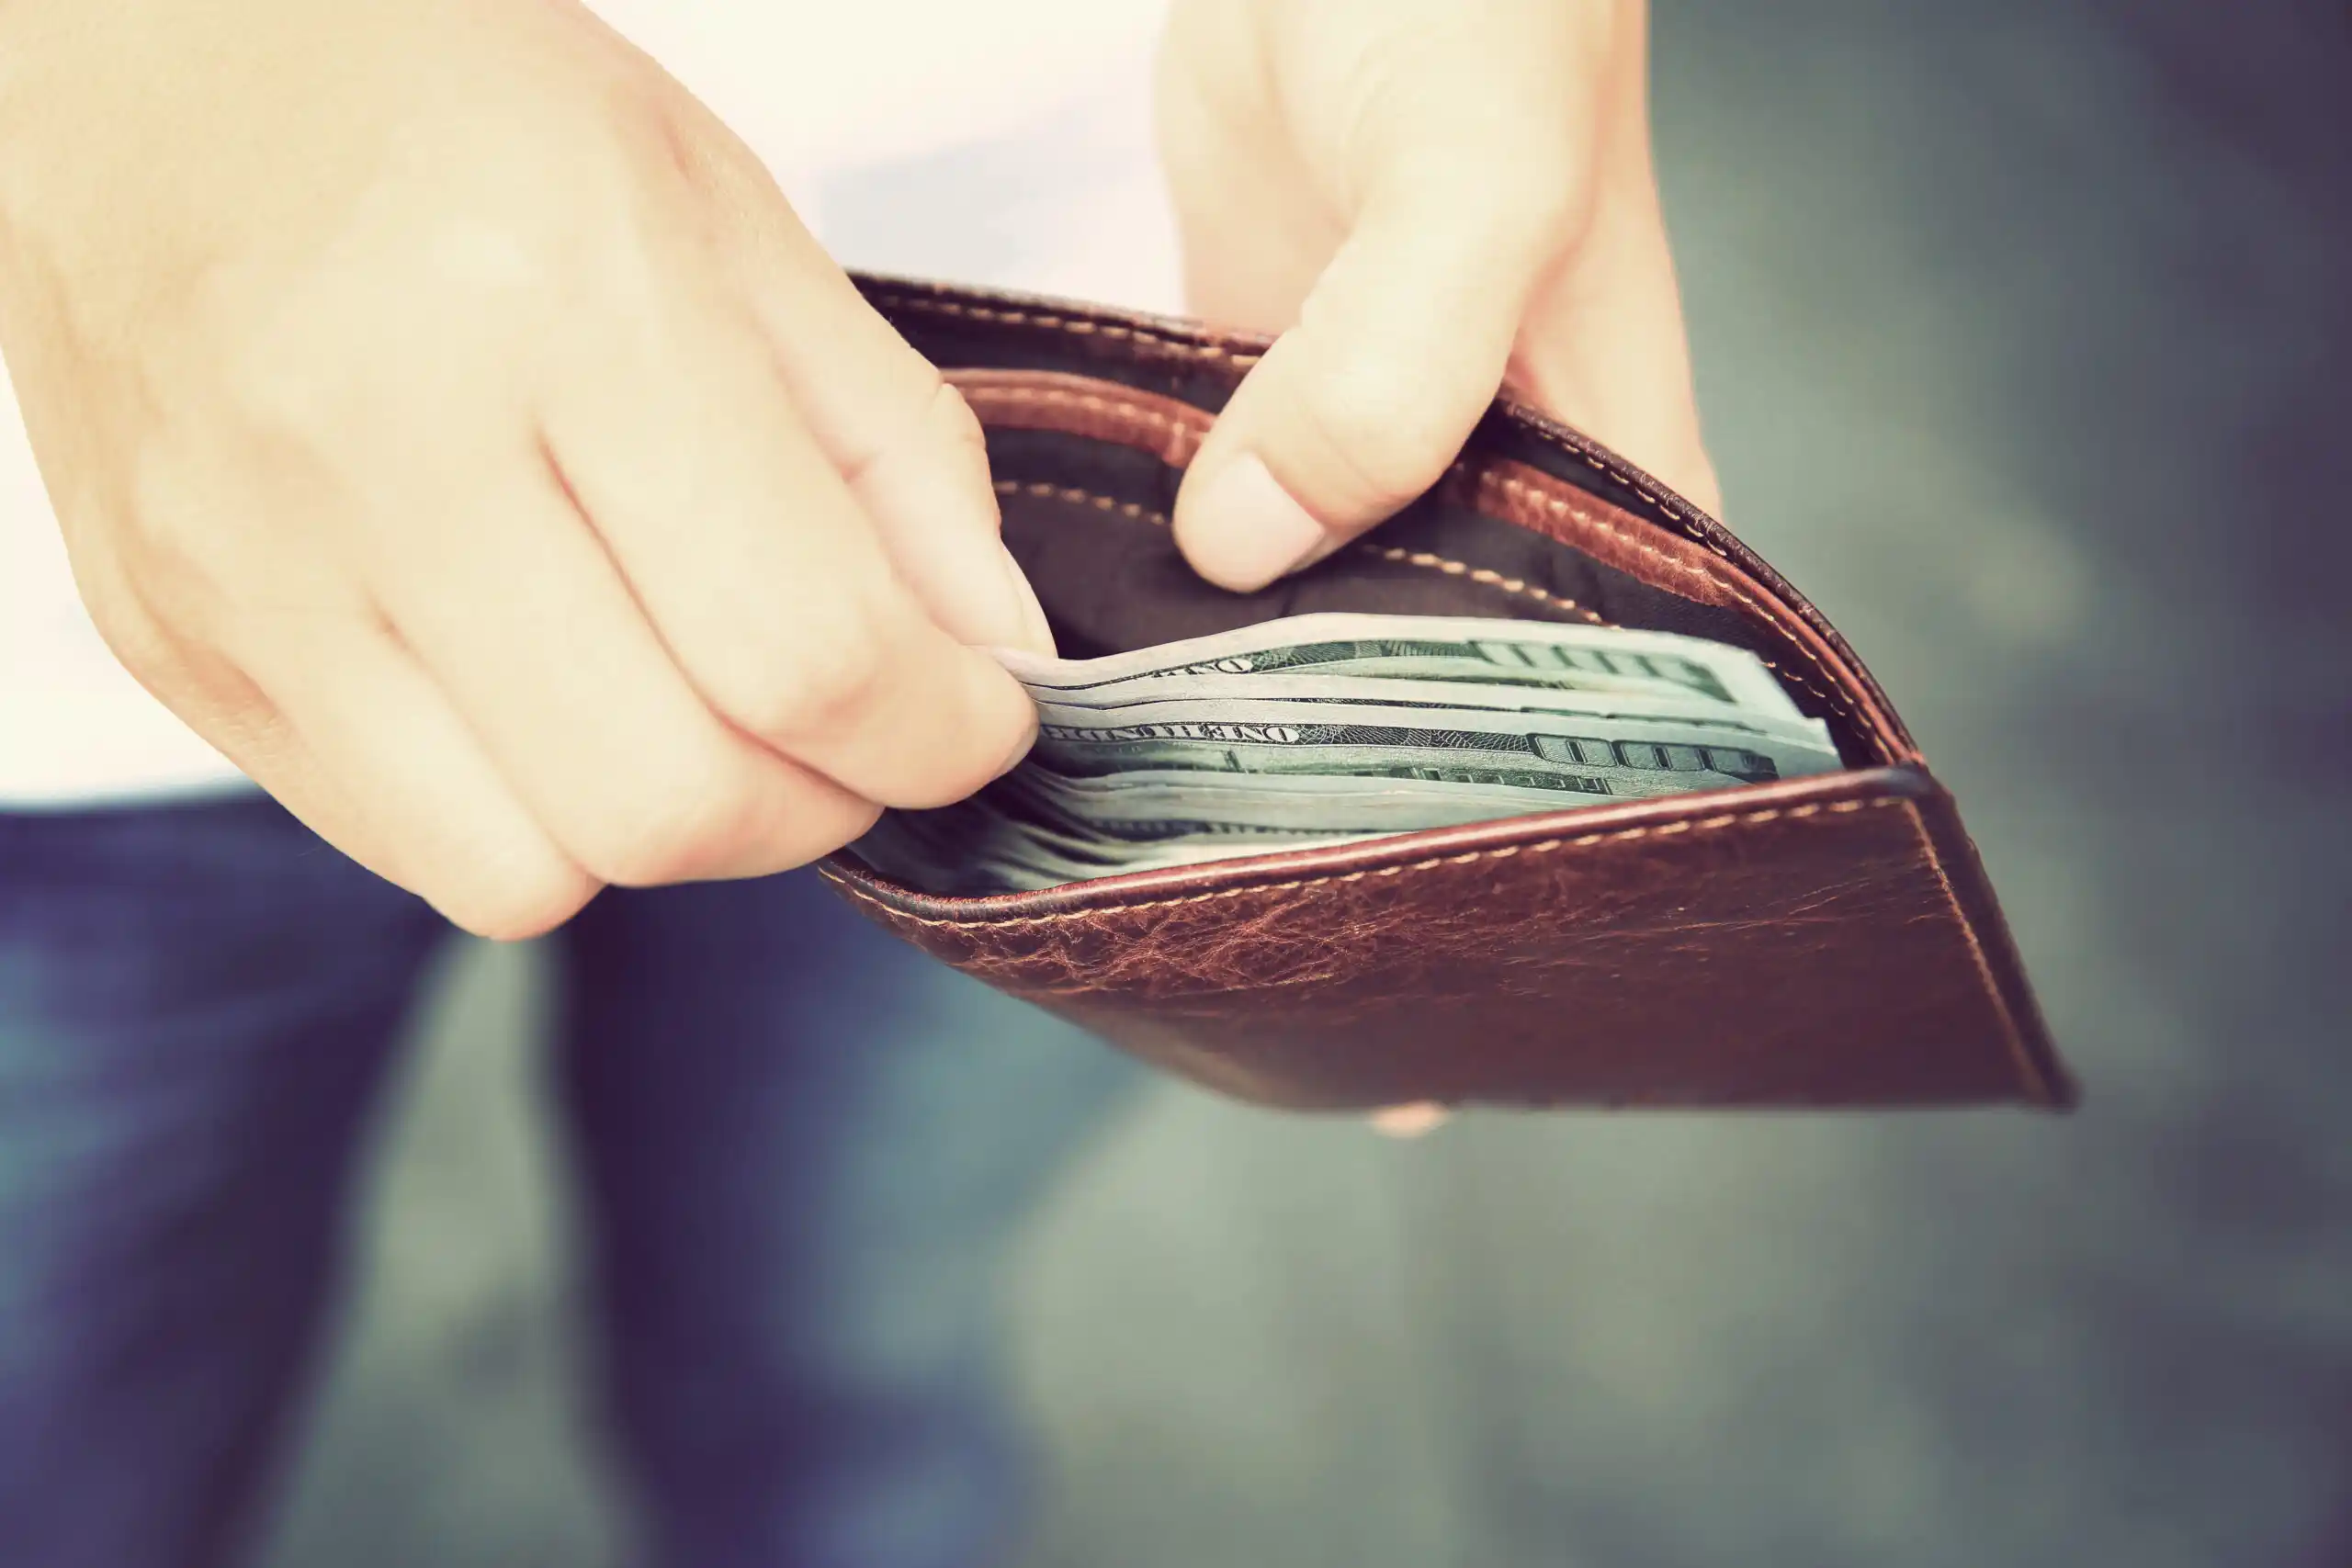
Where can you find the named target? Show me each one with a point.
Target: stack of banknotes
(1319, 729)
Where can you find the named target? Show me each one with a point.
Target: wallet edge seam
(2030, 1073)
(1403, 868)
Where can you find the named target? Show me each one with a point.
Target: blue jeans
(802, 1146)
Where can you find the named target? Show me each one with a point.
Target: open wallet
(1821, 940)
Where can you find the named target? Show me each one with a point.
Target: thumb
(1360, 406)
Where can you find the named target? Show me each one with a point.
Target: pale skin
(450, 421)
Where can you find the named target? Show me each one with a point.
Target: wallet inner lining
(1086, 518)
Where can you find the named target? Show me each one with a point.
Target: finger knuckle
(934, 416)
(104, 574)
(949, 417)
(837, 666)
(221, 582)
(517, 897)
(138, 644)
(118, 580)
(161, 529)
(1378, 426)
(671, 828)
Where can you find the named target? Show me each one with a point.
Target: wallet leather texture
(1829, 940)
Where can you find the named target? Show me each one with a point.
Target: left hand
(1429, 200)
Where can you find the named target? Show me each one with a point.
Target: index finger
(764, 578)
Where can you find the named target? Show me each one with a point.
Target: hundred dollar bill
(1239, 694)
(1119, 807)
(1425, 648)
(986, 850)
(968, 847)
(1329, 729)
(977, 847)
(1034, 828)
(1620, 759)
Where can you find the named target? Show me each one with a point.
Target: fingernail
(1410, 1120)
(1040, 637)
(1244, 530)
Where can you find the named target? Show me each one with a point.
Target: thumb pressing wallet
(1828, 941)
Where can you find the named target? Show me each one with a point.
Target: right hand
(449, 420)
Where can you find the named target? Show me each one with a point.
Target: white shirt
(1004, 144)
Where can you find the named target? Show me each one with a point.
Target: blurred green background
(2022, 333)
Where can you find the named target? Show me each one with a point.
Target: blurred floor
(2022, 333)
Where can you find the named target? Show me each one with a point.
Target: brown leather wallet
(1823, 940)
